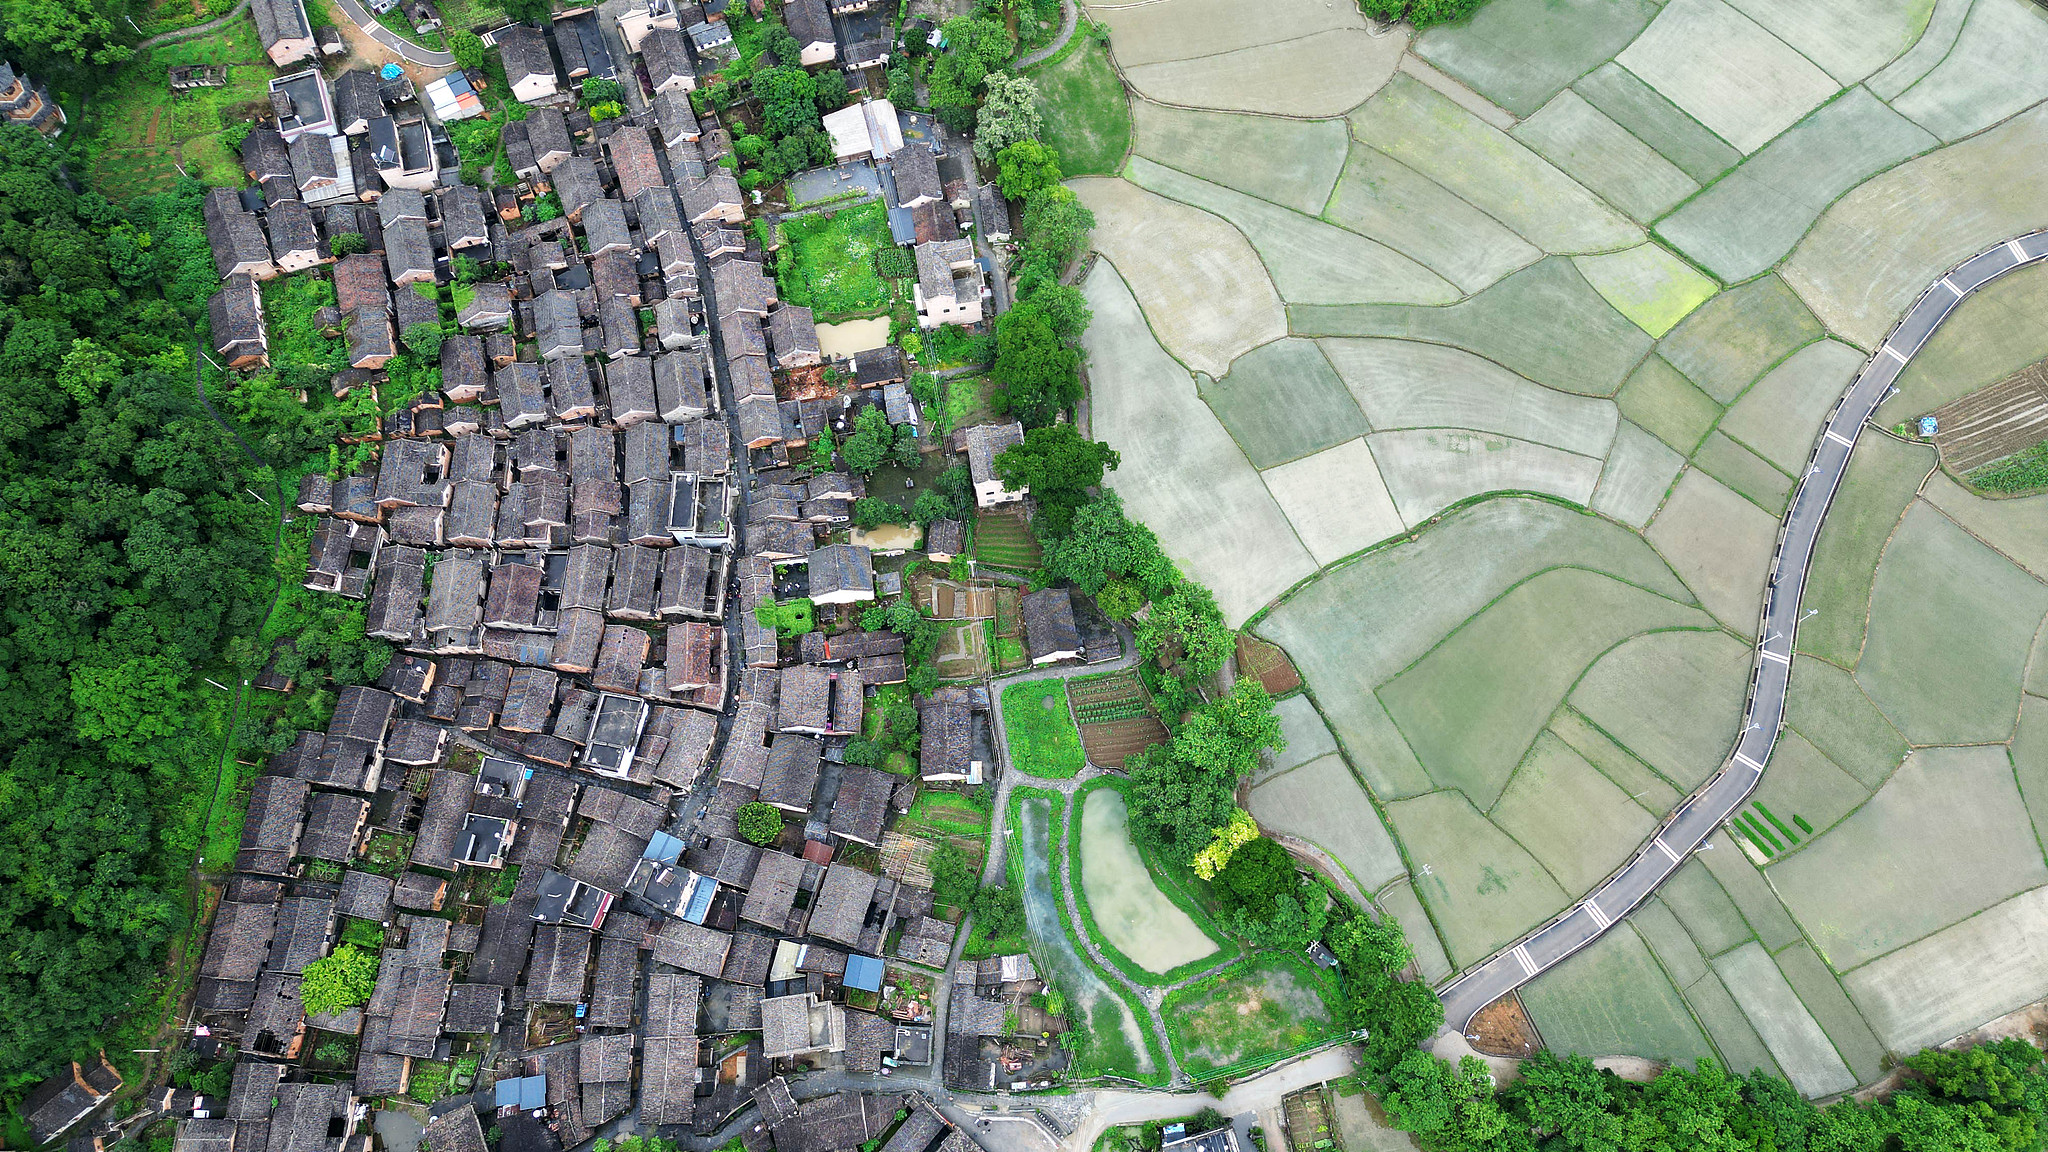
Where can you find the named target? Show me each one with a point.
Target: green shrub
(759, 823)
(341, 980)
(2023, 472)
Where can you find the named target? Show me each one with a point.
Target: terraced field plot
(1503, 476)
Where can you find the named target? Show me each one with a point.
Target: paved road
(1069, 17)
(393, 40)
(1686, 828)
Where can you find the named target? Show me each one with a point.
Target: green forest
(136, 563)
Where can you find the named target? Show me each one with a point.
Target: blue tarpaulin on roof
(864, 973)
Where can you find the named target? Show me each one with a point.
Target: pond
(1114, 1033)
(889, 537)
(849, 337)
(1128, 908)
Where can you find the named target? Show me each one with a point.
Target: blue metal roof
(864, 973)
(664, 848)
(533, 1092)
(506, 1093)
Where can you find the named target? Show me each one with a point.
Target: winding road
(393, 40)
(1693, 821)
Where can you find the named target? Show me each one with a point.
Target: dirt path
(178, 34)
(149, 137)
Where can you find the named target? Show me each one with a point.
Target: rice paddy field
(1475, 373)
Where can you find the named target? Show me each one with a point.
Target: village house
(983, 443)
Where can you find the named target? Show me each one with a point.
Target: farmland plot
(1585, 277)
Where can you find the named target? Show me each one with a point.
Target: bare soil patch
(1503, 1028)
(1995, 422)
(1266, 662)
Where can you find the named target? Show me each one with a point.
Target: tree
(789, 100)
(64, 37)
(1059, 466)
(1259, 872)
(1187, 618)
(975, 45)
(347, 243)
(424, 338)
(596, 89)
(1034, 371)
(1236, 832)
(954, 882)
(871, 512)
(468, 49)
(1025, 167)
(1000, 911)
(1056, 224)
(865, 450)
(759, 823)
(1119, 599)
(1009, 115)
(777, 41)
(1102, 542)
(341, 980)
(822, 450)
(930, 507)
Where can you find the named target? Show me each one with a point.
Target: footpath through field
(1693, 821)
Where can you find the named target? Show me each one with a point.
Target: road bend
(1689, 825)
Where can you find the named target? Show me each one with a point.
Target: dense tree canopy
(132, 556)
(1009, 115)
(1059, 466)
(1035, 371)
(1184, 790)
(1025, 167)
(975, 46)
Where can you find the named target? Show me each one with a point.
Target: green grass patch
(828, 261)
(967, 401)
(1043, 739)
(365, 934)
(1087, 115)
(788, 617)
(138, 129)
(1009, 653)
(1269, 1006)
(1803, 825)
(395, 20)
(948, 812)
(2022, 472)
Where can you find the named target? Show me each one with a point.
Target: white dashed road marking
(1665, 849)
(1522, 957)
(1599, 917)
(1894, 353)
(1838, 438)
